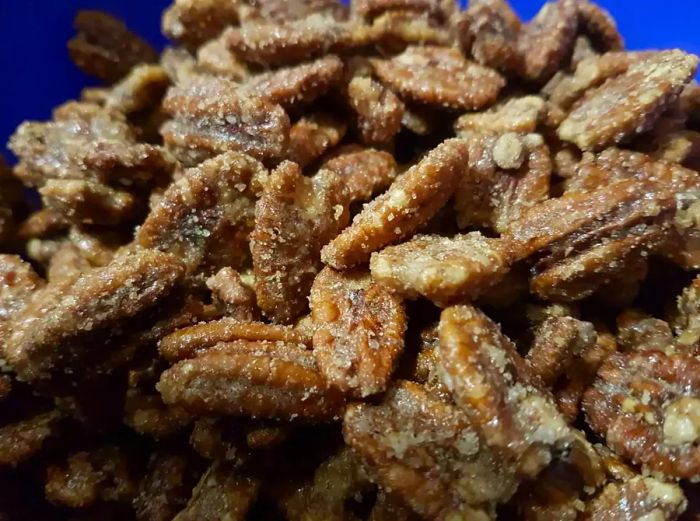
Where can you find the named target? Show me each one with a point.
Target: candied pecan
(220, 489)
(88, 202)
(364, 171)
(420, 120)
(142, 89)
(686, 322)
(488, 30)
(18, 282)
(260, 380)
(312, 136)
(425, 451)
(22, 439)
(219, 439)
(441, 269)
(413, 199)
(166, 487)
(272, 44)
(205, 216)
(102, 473)
(10, 202)
(638, 498)
(515, 115)
(557, 342)
(215, 57)
(296, 85)
(178, 63)
(359, 331)
(496, 389)
(547, 40)
(105, 48)
(194, 340)
(379, 111)
(337, 480)
(507, 175)
(681, 147)
(43, 223)
(265, 435)
(193, 22)
(147, 414)
(211, 117)
(86, 141)
(63, 323)
(442, 10)
(439, 76)
(295, 217)
(598, 25)
(637, 331)
(233, 295)
(394, 30)
(645, 404)
(629, 103)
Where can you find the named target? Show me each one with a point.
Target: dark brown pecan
(106, 48)
(425, 451)
(598, 26)
(210, 117)
(359, 331)
(65, 324)
(295, 217)
(22, 439)
(10, 203)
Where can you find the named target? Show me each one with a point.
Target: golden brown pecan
(295, 217)
(547, 40)
(192, 341)
(146, 414)
(18, 282)
(507, 175)
(85, 141)
(494, 386)
(210, 117)
(269, 43)
(206, 216)
(88, 202)
(281, 11)
(215, 57)
(43, 223)
(68, 324)
(260, 380)
(232, 295)
(638, 498)
(142, 89)
(192, 22)
(298, 84)
(686, 322)
(425, 451)
(646, 406)
(22, 439)
(637, 331)
(105, 48)
(439, 76)
(630, 103)
(598, 26)
(440, 9)
(312, 136)
(379, 111)
(220, 489)
(557, 342)
(413, 199)
(364, 171)
(359, 331)
(396, 29)
(441, 269)
(514, 115)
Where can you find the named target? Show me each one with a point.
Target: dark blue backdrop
(37, 75)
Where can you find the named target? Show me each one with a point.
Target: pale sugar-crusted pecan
(442, 10)
(210, 116)
(64, 324)
(192, 341)
(256, 379)
(441, 269)
(295, 217)
(646, 406)
(206, 216)
(414, 198)
(296, 85)
(396, 29)
(507, 175)
(630, 103)
(498, 391)
(379, 111)
(359, 331)
(220, 489)
(364, 171)
(193, 22)
(269, 43)
(215, 57)
(439, 76)
(18, 282)
(686, 321)
(426, 451)
(233, 296)
(105, 48)
(514, 115)
(312, 136)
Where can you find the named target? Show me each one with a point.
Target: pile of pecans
(392, 261)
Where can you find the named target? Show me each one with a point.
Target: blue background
(36, 74)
